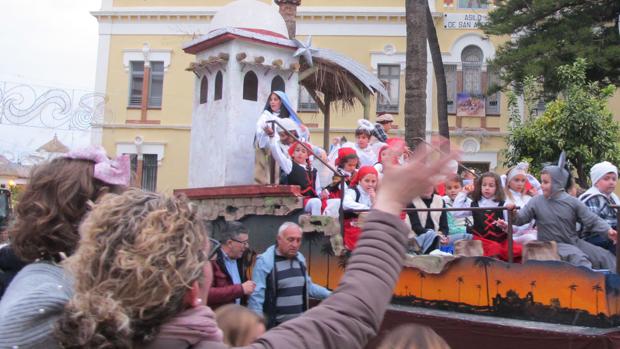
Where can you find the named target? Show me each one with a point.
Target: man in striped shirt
(282, 282)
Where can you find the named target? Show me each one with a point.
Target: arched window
(250, 86)
(472, 69)
(204, 88)
(277, 84)
(218, 86)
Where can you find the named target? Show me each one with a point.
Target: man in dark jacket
(230, 284)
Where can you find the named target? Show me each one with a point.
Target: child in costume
(360, 196)
(515, 190)
(299, 171)
(556, 214)
(457, 227)
(489, 225)
(599, 198)
(431, 227)
(366, 152)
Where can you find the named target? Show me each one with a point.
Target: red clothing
(500, 249)
(222, 290)
(351, 233)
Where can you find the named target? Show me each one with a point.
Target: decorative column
(140, 161)
(288, 10)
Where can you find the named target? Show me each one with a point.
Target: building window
(250, 86)
(156, 84)
(277, 84)
(149, 170)
(492, 107)
(472, 70)
(218, 86)
(450, 72)
(204, 89)
(306, 103)
(390, 76)
(475, 4)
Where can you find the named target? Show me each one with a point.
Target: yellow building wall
(178, 90)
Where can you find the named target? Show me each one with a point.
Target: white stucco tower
(245, 55)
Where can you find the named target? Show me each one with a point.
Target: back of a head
(413, 336)
(51, 208)
(138, 256)
(239, 324)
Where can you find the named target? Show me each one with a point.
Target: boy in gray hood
(556, 214)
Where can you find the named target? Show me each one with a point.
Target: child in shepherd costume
(556, 214)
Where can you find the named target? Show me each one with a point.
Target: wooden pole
(326, 123)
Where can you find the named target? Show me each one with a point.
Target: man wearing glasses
(230, 284)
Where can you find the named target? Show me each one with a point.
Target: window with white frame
(472, 70)
(149, 170)
(492, 99)
(389, 74)
(306, 103)
(156, 84)
(450, 72)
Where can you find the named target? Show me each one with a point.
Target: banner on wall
(470, 105)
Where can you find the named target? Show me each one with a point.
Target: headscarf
(342, 153)
(291, 149)
(286, 104)
(599, 170)
(361, 173)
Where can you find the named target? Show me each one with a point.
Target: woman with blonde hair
(240, 325)
(142, 274)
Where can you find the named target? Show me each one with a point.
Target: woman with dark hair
(278, 107)
(58, 196)
(142, 274)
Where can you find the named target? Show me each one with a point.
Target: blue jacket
(263, 278)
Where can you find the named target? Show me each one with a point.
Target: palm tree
(406, 290)
(497, 283)
(597, 288)
(459, 282)
(532, 286)
(484, 262)
(479, 287)
(572, 289)
(415, 71)
(422, 277)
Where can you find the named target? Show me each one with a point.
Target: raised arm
(285, 163)
(353, 313)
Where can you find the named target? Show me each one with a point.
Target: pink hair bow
(110, 171)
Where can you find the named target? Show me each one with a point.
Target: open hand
(402, 183)
(613, 235)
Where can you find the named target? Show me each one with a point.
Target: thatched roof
(339, 77)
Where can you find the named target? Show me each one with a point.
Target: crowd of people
(101, 265)
(583, 228)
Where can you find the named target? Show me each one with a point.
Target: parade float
(470, 301)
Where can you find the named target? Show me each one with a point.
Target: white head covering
(289, 125)
(601, 169)
(515, 172)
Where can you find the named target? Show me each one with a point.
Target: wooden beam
(308, 72)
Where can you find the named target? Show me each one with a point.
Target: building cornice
(309, 13)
